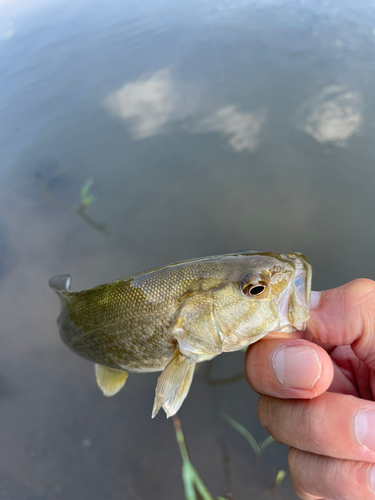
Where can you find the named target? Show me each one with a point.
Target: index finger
(346, 316)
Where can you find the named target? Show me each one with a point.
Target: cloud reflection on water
(334, 115)
(241, 129)
(147, 105)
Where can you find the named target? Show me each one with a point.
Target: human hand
(317, 394)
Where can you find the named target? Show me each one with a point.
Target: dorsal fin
(60, 283)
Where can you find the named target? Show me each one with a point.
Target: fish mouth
(294, 302)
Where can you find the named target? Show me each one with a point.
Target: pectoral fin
(110, 381)
(173, 385)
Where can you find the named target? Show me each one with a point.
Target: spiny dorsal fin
(60, 283)
(110, 380)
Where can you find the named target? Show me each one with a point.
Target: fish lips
(294, 301)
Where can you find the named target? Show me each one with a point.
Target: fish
(170, 318)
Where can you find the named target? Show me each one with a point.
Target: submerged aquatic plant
(279, 477)
(258, 448)
(86, 200)
(194, 487)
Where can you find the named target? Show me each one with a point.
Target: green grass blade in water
(245, 433)
(192, 482)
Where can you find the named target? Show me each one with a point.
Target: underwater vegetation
(193, 484)
(195, 488)
(49, 175)
(258, 448)
(86, 200)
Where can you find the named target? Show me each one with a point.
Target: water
(207, 127)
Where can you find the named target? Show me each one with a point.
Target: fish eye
(254, 285)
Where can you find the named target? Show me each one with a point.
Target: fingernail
(372, 477)
(364, 425)
(297, 366)
(314, 299)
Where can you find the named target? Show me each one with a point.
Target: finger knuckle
(321, 476)
(313, 414)
(263, 411)
(358, 292)
(275, 415)
(296, 463)
(359, 299)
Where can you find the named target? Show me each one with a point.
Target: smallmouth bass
(170, 318)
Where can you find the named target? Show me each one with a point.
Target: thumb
(346, 316)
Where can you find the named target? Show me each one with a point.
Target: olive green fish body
(176, 316)
(114, 325)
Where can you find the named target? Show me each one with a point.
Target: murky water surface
(207, 127)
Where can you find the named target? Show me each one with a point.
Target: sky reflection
(239, 128)
(148, 104)
(334, 115)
